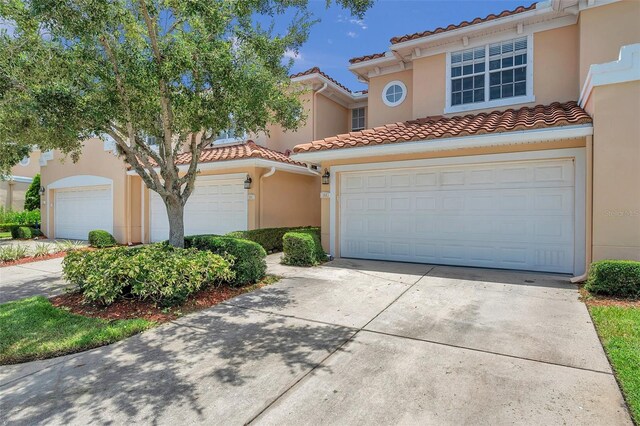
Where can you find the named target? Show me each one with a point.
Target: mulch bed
(31, 259)
(130, 309)
(592, 300)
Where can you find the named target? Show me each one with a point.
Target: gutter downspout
(589, 215)
(320, 90)
(264, 176)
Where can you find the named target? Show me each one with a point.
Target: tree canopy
(178, 71)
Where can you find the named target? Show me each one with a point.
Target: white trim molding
(578, 155)
(625, 69)
(445, 144)
(79, 180)
(19, 179)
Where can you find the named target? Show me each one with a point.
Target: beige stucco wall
(604, 30)
(429, 78)
(290, 199)
(330, 118)
(325, 202)
(616, 171)
(555, 65)
(379, 113)
(31, 169)
(93, 161)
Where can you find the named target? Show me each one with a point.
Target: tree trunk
(175, 213)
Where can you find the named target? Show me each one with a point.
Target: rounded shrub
(21, 232)
(619, 278)
(270, 238)
(156, 272)
(101, 239)
(302, 249)
(248, 258)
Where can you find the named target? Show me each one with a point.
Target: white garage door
(216, 206)
(79, 210)
(516, 215)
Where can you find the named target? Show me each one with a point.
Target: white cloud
(292, 54)
(352, 34)
(358, 22)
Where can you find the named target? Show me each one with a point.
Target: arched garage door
(217, 205)
(80, 209)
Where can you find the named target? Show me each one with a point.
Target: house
(13, 188)
(511, 141)
(100, 192)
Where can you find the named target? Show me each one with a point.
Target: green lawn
(619, 330)
(34, 329)
(5, 234)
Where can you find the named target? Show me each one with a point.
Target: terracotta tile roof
(366, 58)
(463, 24)
(439, 127)
(316, 70)
(242, 151)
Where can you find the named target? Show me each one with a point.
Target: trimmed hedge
(270, 238)
(248, 258)
(615, 278)
(21, 233)
(156, 272)
(302, 248)
(101, 239)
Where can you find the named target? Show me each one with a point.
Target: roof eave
(472, 141)
(243, 162)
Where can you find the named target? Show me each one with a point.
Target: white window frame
(529, 97)
(364, 119)
(399, 101)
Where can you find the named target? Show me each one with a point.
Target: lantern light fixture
(42, 190)
(247, 182)
(326, 177)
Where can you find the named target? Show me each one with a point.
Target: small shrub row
(270, 238)
(619, 278)
(156, 272)
(10, 217)
(247, 257)
(302, 249)
(101, 239)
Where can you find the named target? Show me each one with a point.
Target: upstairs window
(491, 75)
(357, 119)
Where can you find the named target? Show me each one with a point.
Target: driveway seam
(435, 342)
(322, 361)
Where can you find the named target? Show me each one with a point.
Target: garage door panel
(475, 224)
(215, 207)
(79, 210)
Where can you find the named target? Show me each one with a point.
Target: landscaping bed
(31, 259)
(612, 295)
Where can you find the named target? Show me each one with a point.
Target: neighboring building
(511, 141)
(14, 187)
(99, 192)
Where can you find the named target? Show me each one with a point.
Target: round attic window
(25, 162)
(394, 93)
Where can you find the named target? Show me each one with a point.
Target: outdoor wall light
(247, 182)
(42, 190)
(326, 176)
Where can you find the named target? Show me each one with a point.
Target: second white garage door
(516, 215)
(79, 210)
(216, 206)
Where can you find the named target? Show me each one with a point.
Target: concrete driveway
(352, 342)
(42, 278)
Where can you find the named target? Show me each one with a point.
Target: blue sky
(339, 36)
